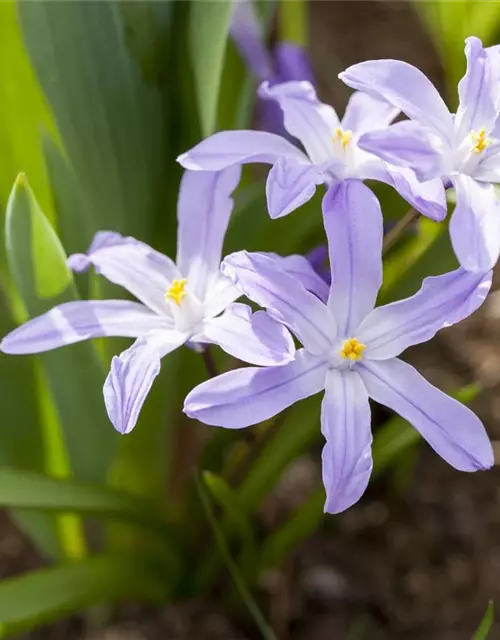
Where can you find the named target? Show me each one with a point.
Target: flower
(461, 149)
(187, 301)
(331, 151)
(287, 61)
(350, 351)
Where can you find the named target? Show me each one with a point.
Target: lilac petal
(405, 144)
(285, 298)
(365, 113)
(451, 429)
(488, 169)
(243, 397)
(82, 320)
(131, 375)
(289, 185)
(405, 87)
(305, 117)
(203, 211)
(227, 148)
(300, 267)
(428, 198)
(345, 424)
(441, 301)
(220, 295)
(246, 32)
(478, 91)
(252, 337)
(131, 264)
(475, 224)
(292, 62)
(353, 224)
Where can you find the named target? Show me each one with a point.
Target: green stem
(246, 596)
(399, 228)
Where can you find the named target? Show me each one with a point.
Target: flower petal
(292, 62)
(428, 198)
(131, 375)
(227, 148)
(246, 31)
(203, 211)
(405, 144)
(289, 185)
(405, 87)
(252, 337)
(221, 294)
(478, 91)
(442, 301)
(285, 298)
(82, 320)
(353, 223)
(451, 429)
(301, 268)
(345, 423)
(305, 117)
(475, 224)
(243, 397)
(131, 264)
(365, 113)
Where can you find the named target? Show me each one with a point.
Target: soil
(414, 560)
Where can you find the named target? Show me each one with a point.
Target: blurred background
(96, 101)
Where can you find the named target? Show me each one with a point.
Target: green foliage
(484, 628)
(44, 596)
(208, 28)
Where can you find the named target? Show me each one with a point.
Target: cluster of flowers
(350, 351)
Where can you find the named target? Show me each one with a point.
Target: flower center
(344, 137)
(352, 349)
(480, 141)
(176, 291)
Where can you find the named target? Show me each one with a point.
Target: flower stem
(399, 228)
(208, 359)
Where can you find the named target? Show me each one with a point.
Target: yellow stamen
(176, 291)
(353, 349)
(481, 141)
(342, 136)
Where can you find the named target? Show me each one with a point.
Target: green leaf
(75, 375)
(487, 622)
(47, 595)
(231, 566)
(227, 498)
(29, 490)
(23, 110)
(209, 23)
(108, 102)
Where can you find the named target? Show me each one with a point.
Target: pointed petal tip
(78, 262)
(186, 161)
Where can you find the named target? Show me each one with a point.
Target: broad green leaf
(486, 623)
(29, 490)
(209, 23)
(75, 375)
(49, 594)
(394, 438)
(23, 111)
(21, 434)
(108, 99)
